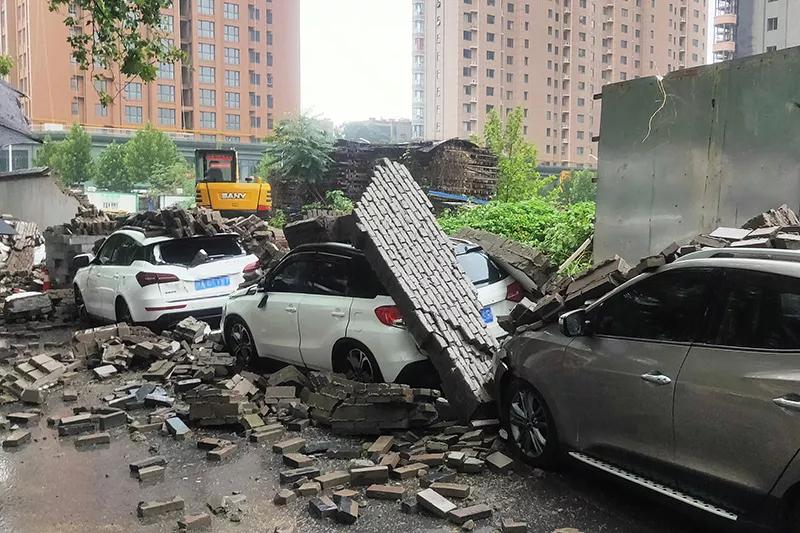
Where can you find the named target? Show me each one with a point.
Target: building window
(255, 57)
(232, 56)
(769, 49)
(269, 16)
(76, 83)
(166, 71)
(205, 7)
(100, 110)
(166, 117)
(205, 29)
(233, 122)
(230, 11)
(490, 55)
(489, 91)
(232, 34)
(75, 108)
(232, 78)
(133, 114)
(269, 38)
(166, 93)
(270, 101)
(207, 75)
(133, 91)
(772, 23)
(208, 97)
(490, 73)
(206, 51)
(255, 100)
(254, 34)
(255, 122)
(168, 23)
(208, 120)
(232, 100)
(269, 59)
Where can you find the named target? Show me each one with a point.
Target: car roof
(460, 246)
(139, 236)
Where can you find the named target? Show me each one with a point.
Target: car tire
(240, 342)
(80, 306)
(123, 312)
(531, 429)
(356, 361)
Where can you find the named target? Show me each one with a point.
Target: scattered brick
(17, 438)
(284, 496)
(69, 395)
(344, 493)
(156, 460)
(290, 445)
(290, 476)
(473, 512)
(23, 419)
(512, 526)
(155, 508)
(321, 507)
(432, 501)
(386, 492)
(381, 446)
(93, 439)
(297, 460)
(221, 453)
(409, 471)
(333, 479)
(193, 522)
(499, 462)
(451, 490)
(309, 488)
(369, 475)
(177, 428)
(112, 420)
(150, 473)
(347, 511)
(430, 459)
(267, 436)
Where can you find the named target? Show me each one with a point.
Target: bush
(555, 230)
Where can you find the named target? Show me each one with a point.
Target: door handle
(337, 314)
(291, 309)
(786, 403)
(657, 378)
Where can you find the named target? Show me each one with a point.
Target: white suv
(160, 280)
(323, 307)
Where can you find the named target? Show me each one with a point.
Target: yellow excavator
(220, 188)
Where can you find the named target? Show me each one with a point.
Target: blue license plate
(486, 314)
(212, 283)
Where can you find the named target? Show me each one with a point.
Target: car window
(183, 251)
(759, 310)
(330, 277)
(292, 276)
(480, 268)
(106, 252)
(124, 253)
(669, 306)
(364, 283)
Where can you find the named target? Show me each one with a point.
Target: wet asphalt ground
(50, 486)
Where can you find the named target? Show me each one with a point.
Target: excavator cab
(219, 186)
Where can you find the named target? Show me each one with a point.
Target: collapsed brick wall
(413, 258)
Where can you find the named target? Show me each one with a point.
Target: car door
(737, 403)
(625, 372)
(275, 323)
(99, 278)
(325, 313)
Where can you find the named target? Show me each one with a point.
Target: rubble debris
(194, 522)
(451, 490)
(191, 330)
(17, 438)
(17, 249)
(782, 216)
(439, 305)
(30, 378)
(92, 440)
(526, 264)
(27, 305)
(512, 526)
(284, 496)
(386, 492)
(333, 479)
(499, 462)
(347, 511)
(290, 476)
(155, 508)
(150, 473)
(435, 503)
(321, 507)
(473, 512)
(221, 452)
(294, 444)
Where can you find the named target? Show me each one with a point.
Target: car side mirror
(575, 323)
(82, 260)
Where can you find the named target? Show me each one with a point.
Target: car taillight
(252, 267)
(152, 278)
(389, 315)
(514, 292)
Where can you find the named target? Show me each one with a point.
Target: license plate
(486, 314)
(212, 283)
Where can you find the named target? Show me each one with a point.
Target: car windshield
(480, 268)
(183, 251)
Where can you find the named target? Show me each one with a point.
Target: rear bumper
(164, 313)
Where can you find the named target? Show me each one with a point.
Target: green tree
(70, 159)
(111, 171)
(6, 64)
(172, 178)
(578, 186)
(128, 34)
(148, 150)
(298, 150)
(517, 178)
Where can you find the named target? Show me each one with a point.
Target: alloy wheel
(359, 366)
(528, 423)
(242, 347)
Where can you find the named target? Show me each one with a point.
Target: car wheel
(355, 361)
(123, 312)
(531, 429)
(80, 306)
(240, 342)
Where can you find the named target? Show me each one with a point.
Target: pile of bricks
(29, 378)
(17, 250)
(88, 221)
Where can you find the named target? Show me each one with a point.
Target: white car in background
(160, 280)
(324, 308)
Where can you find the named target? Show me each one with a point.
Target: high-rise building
(243, 73)
(548, 57)
(744, 28)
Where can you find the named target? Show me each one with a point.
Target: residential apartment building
(743, 28)
(243, 73)
(548, 57)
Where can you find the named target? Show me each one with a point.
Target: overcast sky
(356, 58)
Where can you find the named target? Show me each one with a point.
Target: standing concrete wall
(36, 198)
(704, 147)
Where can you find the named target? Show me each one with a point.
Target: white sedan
(323, 307)
(160, 280)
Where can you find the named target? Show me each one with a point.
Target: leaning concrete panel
(414, 260)
(704, 147)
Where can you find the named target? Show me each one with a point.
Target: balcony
(725, 19)
(724, 46)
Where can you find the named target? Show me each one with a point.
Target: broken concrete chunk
(155, 508)
(105, 371)
(432, 501)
